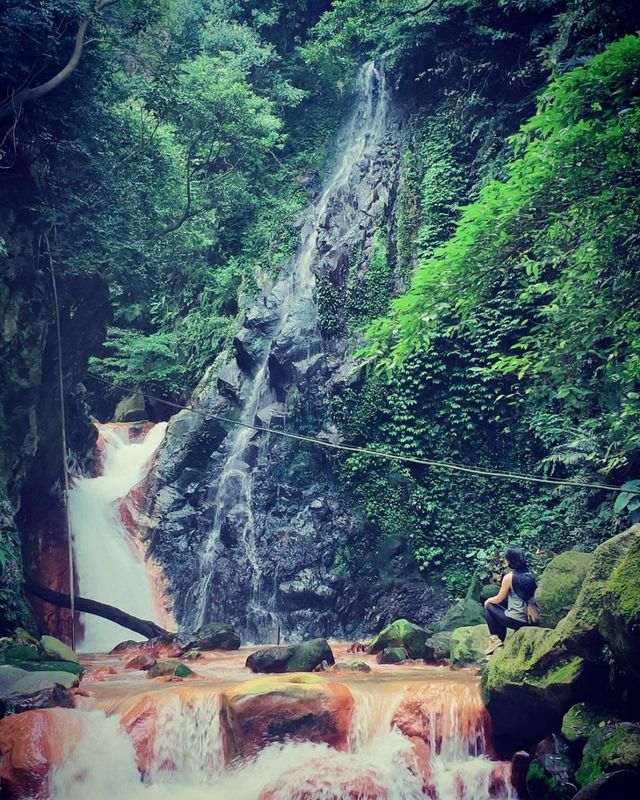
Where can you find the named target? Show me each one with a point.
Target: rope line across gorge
(327, 443)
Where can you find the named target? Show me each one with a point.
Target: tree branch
(144, 627)
(14, 103)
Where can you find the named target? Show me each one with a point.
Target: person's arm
(502, 594)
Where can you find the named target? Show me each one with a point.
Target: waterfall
(436, 746)
(108, 566)
(291, 311)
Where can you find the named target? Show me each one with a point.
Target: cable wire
(489, 473)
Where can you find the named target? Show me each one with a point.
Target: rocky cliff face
(247, 525)
(30, 462)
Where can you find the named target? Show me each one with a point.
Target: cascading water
(108, 566)
(421, 739)
(293, 326)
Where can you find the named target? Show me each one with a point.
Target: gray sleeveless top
(516, 607)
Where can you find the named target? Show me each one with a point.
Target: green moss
(468, 645)
(401, 633)
(560, 584)
(610, 748)
(623, 585)
(582, 719)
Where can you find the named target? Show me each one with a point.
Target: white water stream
(294, 296)
(108, 566)
(381, 763)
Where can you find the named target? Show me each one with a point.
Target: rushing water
(417, 732)
(293, 298)
(108, 566)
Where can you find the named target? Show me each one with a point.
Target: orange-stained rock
(31, 745)
(99, 674)
(324, 779)
(141, 725)
(143, 661)
(299, 706)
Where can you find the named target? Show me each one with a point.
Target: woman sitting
(517, 589)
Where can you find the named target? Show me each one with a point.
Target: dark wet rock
(403, 634)
(620, 785)
(212, 636)
(554, 744)
(551, 777)
(461, 614)
(121, 647)
(303, 657)
(392, 655)
(143, 661)
(520, 762)
(21, 690)
(437, 648)
(131, 409)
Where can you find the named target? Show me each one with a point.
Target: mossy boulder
(437, 647)
(461, 614)
(401, 633)
(392, 655)
(583, 719)
(353, 666)
(533, 678)
(302, 657)
(580, 629)
(172, 667)
(56, 650)
(608, 749)
(48, 666)
(488, 590)
(560, 585)
(22, 652)
(620, 618)
(131, 409)
(550, 777)
(212, 636)
(618, 785)
(468, 645)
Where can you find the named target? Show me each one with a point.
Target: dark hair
(516, 559)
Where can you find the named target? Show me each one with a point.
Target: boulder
(354, 666)
(520, 762)
(437, 648)
(21, 690)
(581, 721)
(608, 749)
(532, 678)
(22, 652)
(489, 590)
(212, 636)
(392, 655)
(302, 657)
(143, 661)
(31, 745)
(401, 633)
(613, 786)
(302, 707)
(461, 614)
(322, 778)
(131, 409)
(48, 666)
(560, 584)
(56, 650)
(620, 618)
(171, 667)
(468, 645)
(580, 629)
(550, 777)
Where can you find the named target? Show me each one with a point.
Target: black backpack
(524, 584)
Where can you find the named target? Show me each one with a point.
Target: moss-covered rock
(171, 667)
(131, 409)
(581, 721)
(460, 615)
(560, 584)
(22, 652)
(468, 645)
(550, 777)
(401, 633)
(620, 618)
(438, 647)
(488, 590)
(56, 650)
(302, 657)
(610, 748)
(533, 678)
(580, 629)
(48, 666)
(392, 655)
(613, 786)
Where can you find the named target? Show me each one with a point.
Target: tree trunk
(142, 626)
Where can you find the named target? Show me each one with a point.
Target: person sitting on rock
(517, 589)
